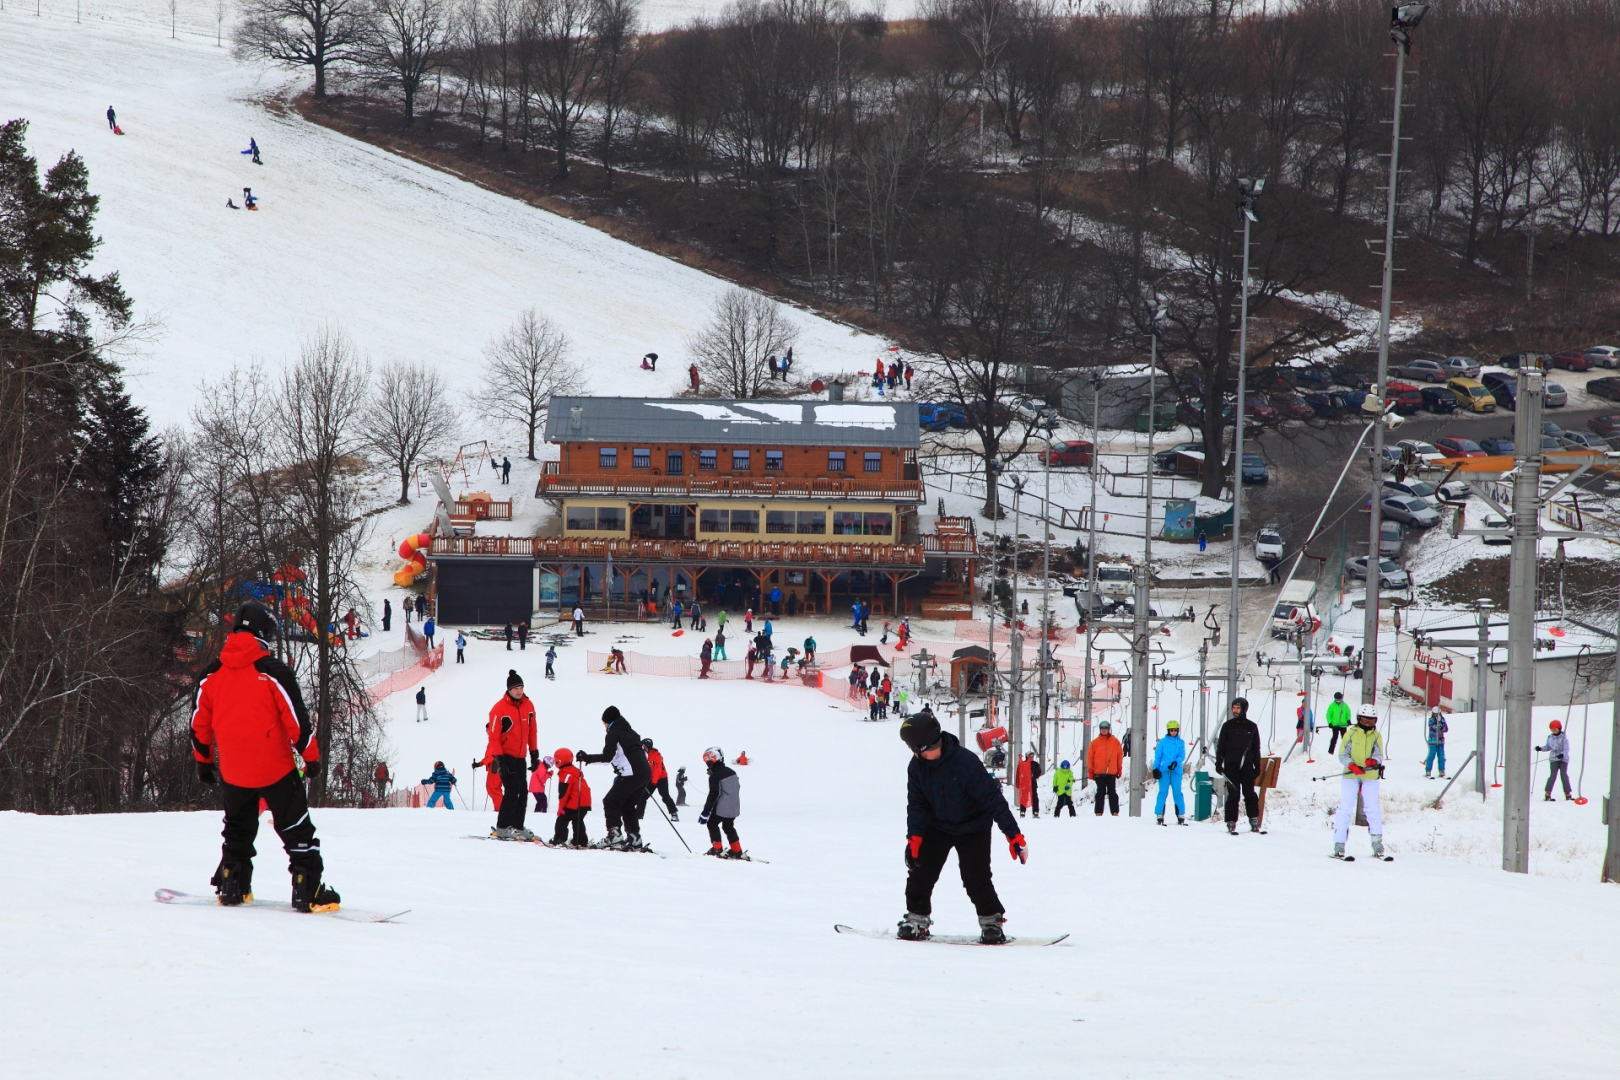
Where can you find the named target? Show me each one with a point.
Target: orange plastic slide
(412, 551)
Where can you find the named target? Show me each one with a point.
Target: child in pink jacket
(537, 784)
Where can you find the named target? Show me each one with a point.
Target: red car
(1258, 408)
(1407, 397)
(1074, 452)
(1606, 426)
(1454, 447)
(1571, 360)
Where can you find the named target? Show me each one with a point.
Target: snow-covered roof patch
(869, 416)
(729, 422)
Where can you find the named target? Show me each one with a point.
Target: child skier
(951, 802)
(442, 780)
(573, 801)
(537, 784)
(249, 722)
(721, 808)
(1063, 788)
(253, 148)
(627, 798)
(1362, 756)
(1558, 749)
(511, 731)
(1168, 758)
(680, 786)
(660, 777)
(1435, 729)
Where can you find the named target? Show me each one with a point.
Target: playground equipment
(412, 550)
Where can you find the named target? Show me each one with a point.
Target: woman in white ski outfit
(1362, 755)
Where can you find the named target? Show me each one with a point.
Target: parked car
(1293, 407)
(1165, 460)
(935, 417)
(1424, 453)
(1503, 387)
(1455, 446)
(1493, 522)
(1390, 574)
(1410, 486)
(1550, 428)
(1392, 456)
(1412, 510)
(1570, 360)
(1258, 408)
(1605, 426)
(1325, 405)
(1603, 355)
(1439, 399)
(1036, 411)
(1390, 536)
(1497, 447)
(1471, 395)
(1073, 452)
(1455, 491)
(1407, 397)
(1460, 366)
(1554, 396)
(1254, 469)
(1354, 378)
(1582, 440)
(1314, 377)
(1268, 543)
(1552, 442)
(1424, 370)
(1607, 388)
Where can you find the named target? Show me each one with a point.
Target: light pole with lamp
(1251, 187)
(1140, 629)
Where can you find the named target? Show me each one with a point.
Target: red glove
(913, 846)
(1020, 850)
(1356, 770)
(1372, 763)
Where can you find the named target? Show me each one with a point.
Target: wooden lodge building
(726, 500)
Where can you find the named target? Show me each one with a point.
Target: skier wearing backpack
(627, 798)
(511, 732)
(951, 802)
(251, 725)
(1558, 750)
(1362, 756)
(723, 805)
(1237, 757)
(1169, 756)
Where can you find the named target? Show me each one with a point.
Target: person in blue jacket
(1169, 756)
(442, 780)
(951, 803)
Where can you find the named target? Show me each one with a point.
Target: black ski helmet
(921, 732)
(255, 619)
(646, 744)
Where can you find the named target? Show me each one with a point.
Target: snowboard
(347, 914)
(949, 939)
(561, 847)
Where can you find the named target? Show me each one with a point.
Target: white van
(1293, 608)
(1116, 580)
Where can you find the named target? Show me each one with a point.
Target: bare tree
(566, 65)
(316, 34)
(411, 416)
(616, 26)
(523, 368)
(404, 42)
(732, 353)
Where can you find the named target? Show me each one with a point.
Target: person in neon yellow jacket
(1362, 755)
(1338, 719)
(1063, 788)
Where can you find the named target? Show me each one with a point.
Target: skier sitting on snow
(250, 708)
(573, 801)
(442, 779)
(951, 802)
(248, 201)
(511, 731)
(1362, 755)
(723, 805)
(627, 797)
(1169, 755)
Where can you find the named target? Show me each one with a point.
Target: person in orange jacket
(511, 732)
(1105, 760)
(249, 723)
(1027, 777)
(660, 777)
(573, 801)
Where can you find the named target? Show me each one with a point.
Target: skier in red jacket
(660, 777)
(511, 732)
(573, 801)
(250, 723)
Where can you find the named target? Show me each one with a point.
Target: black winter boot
(990, 932)
(310, 895)
(233, 883)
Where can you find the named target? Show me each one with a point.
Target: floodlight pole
(1250, 190)
(1611, 857)
(1140, 661)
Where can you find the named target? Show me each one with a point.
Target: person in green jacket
(1338, 718)
(1063, 788)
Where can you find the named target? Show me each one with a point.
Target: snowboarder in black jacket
(627, 798)
(951, 802)
(1237, 757)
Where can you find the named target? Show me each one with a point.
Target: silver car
(1390, 574)
(1603, 356)
(1583, 440)
(1554, 396)
(1412, 510)
(1460, 367)
(1390, 535)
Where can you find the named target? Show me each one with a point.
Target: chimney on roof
(576, 418)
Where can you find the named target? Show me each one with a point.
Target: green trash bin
(1203, 796)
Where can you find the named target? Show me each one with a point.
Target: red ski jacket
(573, 793)
(511, 728)
(655, 762)
(249, 705)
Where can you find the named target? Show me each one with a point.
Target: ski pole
(677, 832)
(1331, 776)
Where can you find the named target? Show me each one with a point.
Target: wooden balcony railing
(542, 548)
(553, 485)
(479, 510)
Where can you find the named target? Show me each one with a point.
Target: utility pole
(1015, 650)
(1611, 857)
(1403, 20)
(1522, 574)
(1251, 189)
(1140, 631)
(1046, 588)
(1482, 670)
(1091, 567)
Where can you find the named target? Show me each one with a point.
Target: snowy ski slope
(413, 263)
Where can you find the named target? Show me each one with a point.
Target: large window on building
(708, 460)
(739, 460)
(874, 461)
(862, 523)
(674, 462)
(714, 521)
(879, 524)
(781, 521)
(835, 461)
(813, 522)
(847, 523)
(745, 521)
(773, 461)
(641, 458)
(610, 518)
(581, 518)
(607, 457)
(596, 518)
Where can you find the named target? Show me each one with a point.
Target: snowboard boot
(233, 884)
(1231, 827)
(1160, 819)
(913, 927)
(1254, 824)
(310, 894)
(715, 849)
(990, 932)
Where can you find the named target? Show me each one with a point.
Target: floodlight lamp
(1408, 16)
(1160, 312)
(1248, 212)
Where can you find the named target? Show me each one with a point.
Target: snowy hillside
(413, 263)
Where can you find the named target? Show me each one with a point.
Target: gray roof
(725, 421)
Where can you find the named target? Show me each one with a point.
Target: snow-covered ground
(412, 263)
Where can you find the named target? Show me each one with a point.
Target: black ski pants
(289, 809)
(727, 823)
(576, 819)
(662, 788)
(514, 792)
(972, 859)
(1062, 801)
(625, 801)
(1107, 790)
(1338, 733)
(1251, 800)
